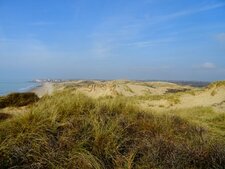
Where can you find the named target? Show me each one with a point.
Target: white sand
(45, 89)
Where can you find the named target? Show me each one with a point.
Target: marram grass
(74, 131)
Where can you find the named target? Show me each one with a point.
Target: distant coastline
(192, 83)
(17, 86)
(45, 86)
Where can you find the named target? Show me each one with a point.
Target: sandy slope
(45, 88)
(119, 87)
(204, 98)
(213, 97)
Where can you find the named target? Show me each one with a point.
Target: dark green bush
(18, 99)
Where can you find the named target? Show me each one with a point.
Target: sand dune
(152, 95)
(43, 89)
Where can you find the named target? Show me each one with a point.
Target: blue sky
(112, 39)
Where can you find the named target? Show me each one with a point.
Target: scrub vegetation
(71, 130)
(18, 100)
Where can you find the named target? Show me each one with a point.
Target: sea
(7, 87)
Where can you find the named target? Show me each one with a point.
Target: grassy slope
(74, 131)
(213, 121)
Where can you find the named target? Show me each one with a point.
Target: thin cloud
(128, 29)
(41, 23)
(24, 49)
(191, 11)
(208, 65)
(221, 37)
(149, 43)
(102, 50)
(6, 40)
(110, 34)
(122, 31)
(151, 69)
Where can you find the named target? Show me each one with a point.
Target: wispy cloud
(5, 40)
(42, 23)
(220, 37)
(150, 69)
(102, 49)
(149, 43)
(24, 49)
(138, 32)
(191, 11)
(111, 34)
(208, 65)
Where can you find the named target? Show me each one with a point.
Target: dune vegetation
(18, 99)
(72, 130)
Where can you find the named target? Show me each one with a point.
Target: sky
(112, 39)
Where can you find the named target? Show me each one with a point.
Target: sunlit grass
(172, 98)
(205, 116)
(74, 131)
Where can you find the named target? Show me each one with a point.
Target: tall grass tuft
(74, 131)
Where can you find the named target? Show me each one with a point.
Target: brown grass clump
(74, 131)
(18, 99)
(177, 90)
(4, 116)
(213, 93)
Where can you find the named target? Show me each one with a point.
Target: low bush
(18, 99)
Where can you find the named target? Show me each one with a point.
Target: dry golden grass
(68, 130)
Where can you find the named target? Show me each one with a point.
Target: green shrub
(18, 99)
